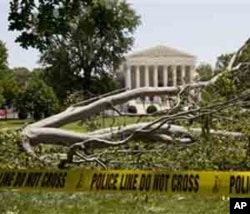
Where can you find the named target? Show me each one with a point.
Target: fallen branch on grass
(162, 130)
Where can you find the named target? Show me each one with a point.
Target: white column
(165, 75)
(156, 76)
(146, 75)
(183, 74)
(137, 77)
(155, 81)
(192, 73)
(191, 79)
(128, 77)
(174, 75)
(165, 83)
(146, 78)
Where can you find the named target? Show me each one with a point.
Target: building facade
(159, 66)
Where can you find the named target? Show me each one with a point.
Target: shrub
(22, 114)
(151, 109)
(12, 155)
(132, 109)
(38, 98)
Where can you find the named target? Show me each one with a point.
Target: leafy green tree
(222, 62)
(8, 85)
(228, 86)
(38, 98)
(205, 72)
(61, 80)
(242, 82)
(103, 83)
(76, 38)
(4, 70)
(21, 75)
(10, 89)
(238, 79)
(1, 96)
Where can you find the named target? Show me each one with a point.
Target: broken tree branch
(163, 130)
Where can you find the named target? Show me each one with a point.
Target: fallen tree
(163, 129)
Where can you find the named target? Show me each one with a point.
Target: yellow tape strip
(166, 182)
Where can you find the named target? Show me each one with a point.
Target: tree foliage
(10, 89)
(21, 75)
(205, 71)
(151, 109)
(1, 96)
(76, 38)
(37, 98)
(243, 75)
(222, 62)
(3, 60)
(24, 90)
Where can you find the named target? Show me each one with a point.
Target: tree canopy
(37, 98)
(3, 60)
(222, 62)
(21, 75)
(205, 71)
(76, 38)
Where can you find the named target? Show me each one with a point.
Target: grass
(57, 203)
(11, 123)
(101, 123)
(75, 126)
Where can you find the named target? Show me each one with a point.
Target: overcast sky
(204, 29)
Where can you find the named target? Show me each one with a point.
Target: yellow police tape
(166, 182)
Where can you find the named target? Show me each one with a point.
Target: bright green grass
(4, 124)
(103, 123)
(57, 203)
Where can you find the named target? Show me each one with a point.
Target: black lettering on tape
(174, 183)
(93, 180)
(231, 183)
(104, 181)
(63, 180)
(145, 182)
(6, 179)
(54, 180)
(239, 184)
(191, 185)
(185, 183)
(196, 183)
(180, 182)
(128, 182)
(19, 180)
(160, 182)
(33, 179)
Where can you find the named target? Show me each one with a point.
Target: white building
(157, 67)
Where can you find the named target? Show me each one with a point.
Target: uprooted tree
(205, 100)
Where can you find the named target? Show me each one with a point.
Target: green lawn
(76, 126)
(4, 124)
(104, 123)
(57, 203)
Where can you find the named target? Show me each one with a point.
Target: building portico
(159, 66)
(158, 76)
